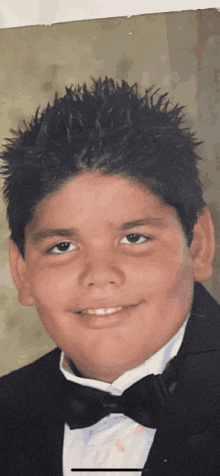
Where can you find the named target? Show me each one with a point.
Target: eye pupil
(63, 246)
(133, 237)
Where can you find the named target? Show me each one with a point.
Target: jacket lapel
(34, 421)
(50, 423)
(39, 449)
(184, 441)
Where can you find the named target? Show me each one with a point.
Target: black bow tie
(143, 402)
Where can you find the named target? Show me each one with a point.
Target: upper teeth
(110, 310)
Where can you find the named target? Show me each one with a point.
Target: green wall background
(180, 52)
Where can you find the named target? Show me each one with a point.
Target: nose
(100, 271)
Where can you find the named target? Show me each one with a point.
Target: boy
(110, 239)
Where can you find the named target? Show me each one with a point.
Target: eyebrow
(150, 221)
(73, 232)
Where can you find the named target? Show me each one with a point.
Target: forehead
(96, 188)
(93, 199)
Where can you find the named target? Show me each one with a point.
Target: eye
(134, 238)
(62, 248)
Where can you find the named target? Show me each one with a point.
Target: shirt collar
(153, 365)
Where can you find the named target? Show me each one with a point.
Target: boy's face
(104, 263)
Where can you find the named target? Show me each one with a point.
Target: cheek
(162, 270)
(50, 289)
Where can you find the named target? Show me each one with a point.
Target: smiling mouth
(105, 311)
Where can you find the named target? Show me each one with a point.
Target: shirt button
(172, 387)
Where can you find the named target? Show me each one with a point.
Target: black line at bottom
(107, 469)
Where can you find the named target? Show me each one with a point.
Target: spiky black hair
(110, 129)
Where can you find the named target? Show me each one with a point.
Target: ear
(202, 249)
(19, 275)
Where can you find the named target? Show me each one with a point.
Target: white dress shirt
(116, 441)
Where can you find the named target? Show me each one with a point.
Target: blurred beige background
(178, 51)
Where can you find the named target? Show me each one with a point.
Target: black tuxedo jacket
(187, 441)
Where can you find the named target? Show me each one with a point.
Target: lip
(94, 321)
(105, 306)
